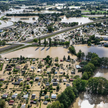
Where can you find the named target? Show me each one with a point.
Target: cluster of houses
(21, 74)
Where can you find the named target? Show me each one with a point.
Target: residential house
(53, 96)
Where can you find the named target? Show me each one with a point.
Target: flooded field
(80, 20)
(28, 19)
(39, 53)
(101, 51)
(5, 24)
(86, 100)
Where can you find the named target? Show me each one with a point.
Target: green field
(84, 16)
(93, 11)
(86, 11)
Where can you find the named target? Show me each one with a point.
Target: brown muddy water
(86, 100)
(39, 53)
(101, 51)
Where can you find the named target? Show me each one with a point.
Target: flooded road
(101, 51)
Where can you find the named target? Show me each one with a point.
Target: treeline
(33, 14)
(2, 43)
(4, 6)
(69, 24)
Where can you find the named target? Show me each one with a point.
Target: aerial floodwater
(101, 51)
(39, 52)
(80, 20)
(86, 100)
(44, 59)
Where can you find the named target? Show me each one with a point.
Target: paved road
(48, 35)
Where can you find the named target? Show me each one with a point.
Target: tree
(85, 76)
(56, 104)
(35, 40)
(67, 43)
(50, 28)
(79, 84)
(82, 55)
(58, 87)
(39, 41)
(55, 42)
(2, 103)
(97, 85)
(49, 106)
(50, 42)
(72, 50)
(68, 57)
(64, 58)
(45, 42)
(32, 32)
(79, 54)
(89, 43)
(64, 99)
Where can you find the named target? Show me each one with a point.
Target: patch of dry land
(35, 81)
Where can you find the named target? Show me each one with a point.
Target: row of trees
(2, 43)
(51, 43)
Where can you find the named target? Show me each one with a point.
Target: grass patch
(84, 16)
(1, 66)
(2, 18)
(98, 11)
(86, 11)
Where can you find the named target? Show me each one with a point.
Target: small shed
(46, 97)
(32, 67)
(11, 102)
(16, 83)
(25, 96)
(45, 102)
(33, 96)
(55, 72)
(20, 79)
(55, 83)
(73, 72)
(1, 79)
(14, 96)
(39, 70)
(4, 96)
(67, 85)
(70, 79)
(53, 96)
(17, 67)
(37, 79)
(47, 84)
(31, 70)
(78, 67)
(23, 106)
(64, 80)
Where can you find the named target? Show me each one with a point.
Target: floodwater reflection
(86, 100)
